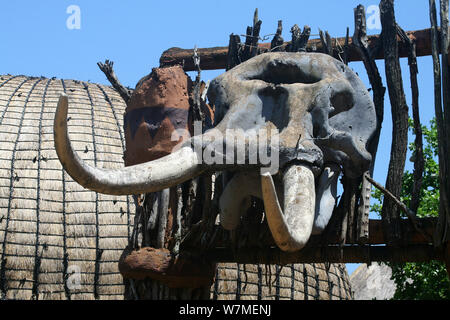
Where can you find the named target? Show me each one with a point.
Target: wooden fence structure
(399, 236)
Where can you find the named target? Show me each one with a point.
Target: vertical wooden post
(390, 212)
(361, 43)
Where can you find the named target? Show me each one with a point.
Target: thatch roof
(51, 227)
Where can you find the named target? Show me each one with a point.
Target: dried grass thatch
(51, 227)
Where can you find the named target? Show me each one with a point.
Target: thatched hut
(60, 241)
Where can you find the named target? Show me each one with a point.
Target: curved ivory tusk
(234, 202)
(291, 230)
(326, 195)
(152, 176)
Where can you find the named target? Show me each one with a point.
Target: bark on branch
(336, 254)
(107, 69)
(216, 57)
(399, 110)
(419, 162)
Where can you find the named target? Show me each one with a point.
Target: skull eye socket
(341, 101)
(283, 72)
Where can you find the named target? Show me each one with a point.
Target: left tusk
(291, 230)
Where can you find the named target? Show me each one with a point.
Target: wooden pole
(399, 108)
(216, 57)
(107, 69)
(160, 263)
(410, 235)
(330, 254)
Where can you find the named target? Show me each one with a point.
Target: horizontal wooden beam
(331, 254)
(179, 271)
(414, 247)
(410, 236)
(216, 58)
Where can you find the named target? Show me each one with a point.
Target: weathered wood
(250, 48)
(410, 235)
(343, 210)
(177, 226)
(304, 37)
(445, 189)
(399, 110)
(197, 111)
(161, 265)
(360, 42)
(163, 207)
(415, 246)
(410, 214)
(346, 46)
(335, 254)
(419, 162)
(233, 52)
(216, 57)
(327, 45)
(248, 42)
(352, 211)
(435, 45)
(296, 34)
(255, 34)
(107, 69)
(362, 223)
(277, 41)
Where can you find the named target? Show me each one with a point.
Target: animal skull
(324, 119)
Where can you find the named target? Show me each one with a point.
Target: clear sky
(49, 38)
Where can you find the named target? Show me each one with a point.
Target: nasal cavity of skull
(278, 72)
(274, 105)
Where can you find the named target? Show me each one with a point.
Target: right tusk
(291, 230)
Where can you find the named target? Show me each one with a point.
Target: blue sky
(36, 41)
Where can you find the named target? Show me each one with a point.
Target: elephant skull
(323, 118)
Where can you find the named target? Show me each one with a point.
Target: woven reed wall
(290, 282)
(50, 226)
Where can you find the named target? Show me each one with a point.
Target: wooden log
(327, 44)
(107, 69)
(444, 214)
(435, 45)
(330, 254)
(233, 52)
(411, 215)
(410, 236)
(216, 57)
(389, 212)
(255, 35)
(277, 41)
(419, 162)
(346, 46)
(445, 189)
(362, 223)
(161, 265)
(360, 42)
